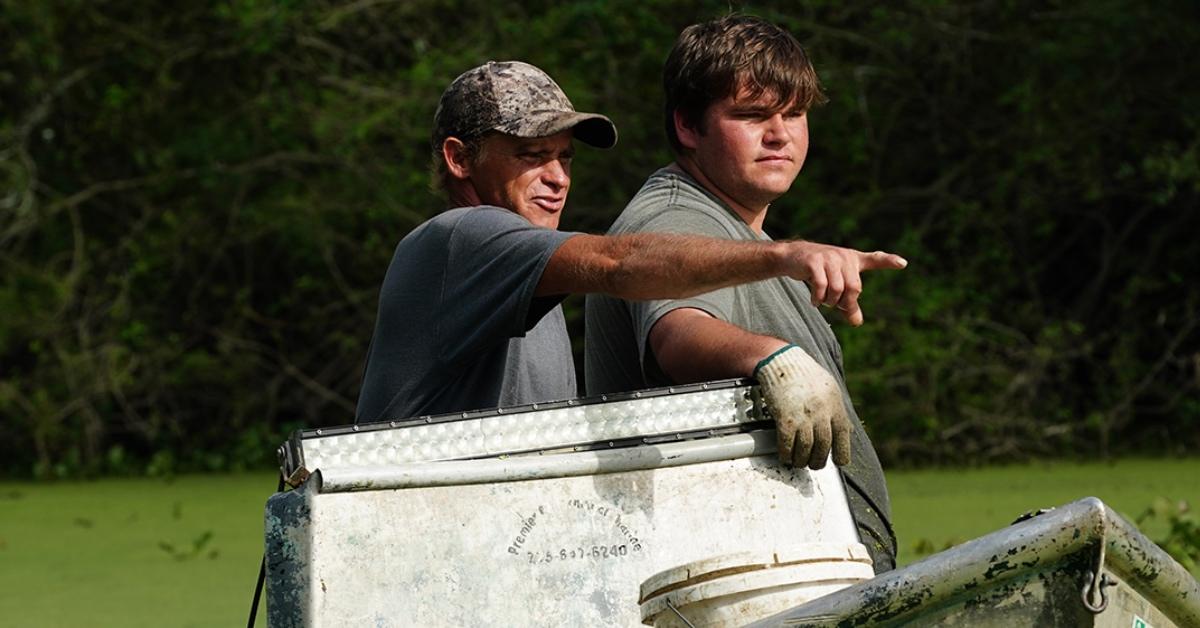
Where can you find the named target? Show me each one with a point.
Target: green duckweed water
(143, 552)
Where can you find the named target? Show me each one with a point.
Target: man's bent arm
(803, 398)
(668, 266)
(690, 345)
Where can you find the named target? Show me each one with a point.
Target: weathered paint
(549, 551)
(1031, 573)
(288, 551)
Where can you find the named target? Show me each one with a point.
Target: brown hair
(713, 60)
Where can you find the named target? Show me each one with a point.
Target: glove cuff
(792, 366)
(783, 357)
(767, 360)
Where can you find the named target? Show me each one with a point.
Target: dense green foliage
(197, 205)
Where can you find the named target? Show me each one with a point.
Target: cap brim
(590, 128)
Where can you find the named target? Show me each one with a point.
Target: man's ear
(687, 135)
(458, 162)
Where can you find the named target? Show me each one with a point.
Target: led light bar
(607, 421)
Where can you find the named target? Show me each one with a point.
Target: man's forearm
(668, 266)
(658, 265)
(691, 346)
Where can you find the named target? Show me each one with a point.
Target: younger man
(737, 95)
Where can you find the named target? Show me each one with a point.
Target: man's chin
(775, 187)
(547, 220)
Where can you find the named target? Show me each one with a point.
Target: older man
(737, 95)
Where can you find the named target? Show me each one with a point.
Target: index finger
(880, 260)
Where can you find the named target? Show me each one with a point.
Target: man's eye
(751, 115)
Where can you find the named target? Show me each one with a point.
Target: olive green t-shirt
(617, 356)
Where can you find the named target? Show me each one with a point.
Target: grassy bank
(140, 552)
(935, 509)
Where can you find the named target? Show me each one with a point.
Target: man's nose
(555, 174)
(777, 132)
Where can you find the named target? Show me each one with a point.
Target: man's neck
(752, 216)
(462, 194)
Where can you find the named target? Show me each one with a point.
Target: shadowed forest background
(197, 206)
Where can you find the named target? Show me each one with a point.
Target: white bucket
(736, 589)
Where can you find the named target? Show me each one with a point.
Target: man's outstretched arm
(667, 266)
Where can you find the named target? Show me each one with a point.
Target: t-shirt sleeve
(494, 261)
(718, 303)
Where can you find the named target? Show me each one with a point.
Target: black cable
(262, 575)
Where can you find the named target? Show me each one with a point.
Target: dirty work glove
(806, 403)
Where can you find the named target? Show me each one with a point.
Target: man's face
(749, 150)
(528, 176)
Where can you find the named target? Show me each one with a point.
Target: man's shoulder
(478, 218)
(452, 218)
(671, 198)
(674, 187)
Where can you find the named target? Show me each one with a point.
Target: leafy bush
(1182, 539)
(197, 207)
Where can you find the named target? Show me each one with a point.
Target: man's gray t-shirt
(617, 356)
(459, 327)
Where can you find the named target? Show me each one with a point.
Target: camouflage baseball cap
(517, 99)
